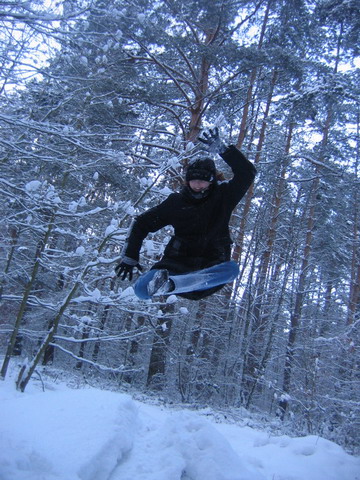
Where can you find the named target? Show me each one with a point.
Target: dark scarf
(197, 197)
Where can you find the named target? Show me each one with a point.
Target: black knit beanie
(201, 169)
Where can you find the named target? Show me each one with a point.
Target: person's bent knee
(141, 292)
(234, 268)
(140, 287)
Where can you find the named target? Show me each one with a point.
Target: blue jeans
(193, 281)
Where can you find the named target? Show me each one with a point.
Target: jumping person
(196, 261)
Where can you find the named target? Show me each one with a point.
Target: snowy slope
(90, 434)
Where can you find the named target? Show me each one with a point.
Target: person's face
(199, 185)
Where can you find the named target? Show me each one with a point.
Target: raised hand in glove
(211, 139)
(126, 267)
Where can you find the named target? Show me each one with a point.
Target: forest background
(101, 105)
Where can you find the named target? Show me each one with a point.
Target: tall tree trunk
(27, 370)
(354, 295)
(197, 109)
(295, 319)
(14, 234)
(300, 296)
(249, 95)
(157, 365)
(240, 239)
(24, 301)
(260, 329)
(103, 320)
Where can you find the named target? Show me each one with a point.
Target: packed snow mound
(91, 434)
(182, 445)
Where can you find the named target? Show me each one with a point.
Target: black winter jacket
(201, 226)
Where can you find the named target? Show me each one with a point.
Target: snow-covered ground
(92, 434)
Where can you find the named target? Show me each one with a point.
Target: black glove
(211, 139)
(125, 269)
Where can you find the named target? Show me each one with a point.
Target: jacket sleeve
(150, 221)
(244, 173)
